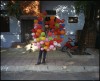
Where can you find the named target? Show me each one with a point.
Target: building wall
(65, 9)
(7, 38)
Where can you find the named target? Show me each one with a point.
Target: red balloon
(46, 23)
(36, 29)
(39, 26)
(44, 13)
(49, 34)
(51, 26)
(55, 39)
(63, 20)
(51, 22)
(35, 36)
(40, 18)
(58, 20)
(52, 30)
(61, 26)
(33, 30)
(51, 42)
(60, 39)
(58, 32)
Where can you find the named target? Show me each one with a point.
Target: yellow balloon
(35, 21)
(37, 39)
(45, 47)
(43, 38)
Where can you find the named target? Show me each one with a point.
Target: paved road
(16, 64)
(33, 75)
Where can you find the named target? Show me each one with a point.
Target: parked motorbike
(68, 45)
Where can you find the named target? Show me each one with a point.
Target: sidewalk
(18, 59)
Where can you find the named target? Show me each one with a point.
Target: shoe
(43, 62)
(38, 63)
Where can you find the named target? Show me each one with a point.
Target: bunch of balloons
(48, 35)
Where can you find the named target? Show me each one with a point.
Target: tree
(17, 8)
(90, 10)
(14, 9)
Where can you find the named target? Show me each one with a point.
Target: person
(42, 57)
(42, 53)
(27, 36)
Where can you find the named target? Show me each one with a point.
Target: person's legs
(44, 56)
(39, 57)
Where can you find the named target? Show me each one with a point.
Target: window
(4, 18)
(4, 22)
(51, 12)
(73, 19)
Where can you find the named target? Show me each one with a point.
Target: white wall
(65, 9)
(13, 36)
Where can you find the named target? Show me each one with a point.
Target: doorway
(26, 27)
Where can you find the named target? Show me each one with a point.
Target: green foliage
(85, 7)
(89, 8)
(14, 9)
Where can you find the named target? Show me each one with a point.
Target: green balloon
(43, 34)
(50, 38)
(42, 45)
(57, 25)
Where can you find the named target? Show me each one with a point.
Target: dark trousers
(42, 53)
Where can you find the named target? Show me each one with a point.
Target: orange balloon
(39, 30)
(52, 17)
(37, 34)
(47, 43)
(55, 32)
(62, 32)
(58, 32)
(58, 36)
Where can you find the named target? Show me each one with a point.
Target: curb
(51, 68)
